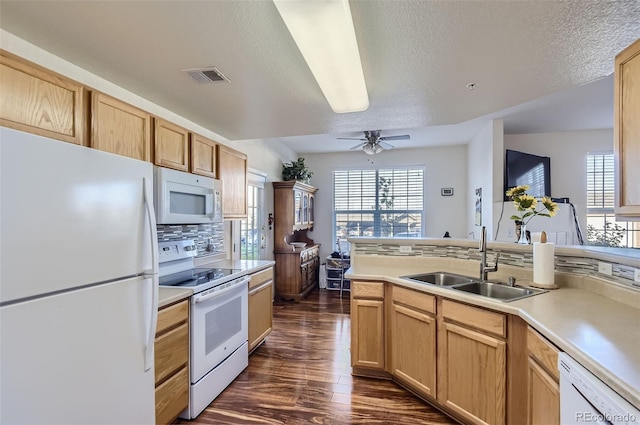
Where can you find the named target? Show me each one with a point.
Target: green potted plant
(296, 170)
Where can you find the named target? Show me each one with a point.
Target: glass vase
(523, 235)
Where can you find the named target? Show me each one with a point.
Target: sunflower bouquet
(527, 205)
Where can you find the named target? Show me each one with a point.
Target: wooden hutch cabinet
(296, 269)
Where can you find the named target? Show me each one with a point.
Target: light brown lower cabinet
(260, 307)
(367, 326)
(543, 389)
(478, 365)
(413, 340)
(172, 361)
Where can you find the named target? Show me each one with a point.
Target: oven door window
(222, 324)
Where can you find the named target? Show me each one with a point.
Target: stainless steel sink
(498, 291)
(439, 278)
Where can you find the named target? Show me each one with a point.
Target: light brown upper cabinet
(626, 131)
(203, 156)
(39, 101)
(171, 145)
(232, 169)
(120, 128)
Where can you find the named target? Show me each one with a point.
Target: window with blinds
(602, 227)
(600, 182)
(382, 203)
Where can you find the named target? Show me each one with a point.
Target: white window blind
(385, 202)
(600, 182)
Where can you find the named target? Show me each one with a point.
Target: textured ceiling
(418, 57)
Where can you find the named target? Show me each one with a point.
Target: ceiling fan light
(324, 33)
(369, 149)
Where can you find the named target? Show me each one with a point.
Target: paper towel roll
(543, 265)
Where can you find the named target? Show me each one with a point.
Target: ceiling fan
(373, 143)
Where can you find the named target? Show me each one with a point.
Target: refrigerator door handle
(148, 204)
(151, 275)
(153, 320)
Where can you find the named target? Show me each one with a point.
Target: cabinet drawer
(172, 352)
(261, 277)
(488, 321)
(368, 290)
(171, 316)
(172, 397)
(544, 352)
(415, 299)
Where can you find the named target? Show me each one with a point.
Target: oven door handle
(202, 298)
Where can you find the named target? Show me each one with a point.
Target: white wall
(568, 152)
(444, 167)
(485, 171)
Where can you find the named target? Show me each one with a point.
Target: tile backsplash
(209, 238)
(587, 266)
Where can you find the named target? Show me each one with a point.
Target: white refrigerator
(78, 284)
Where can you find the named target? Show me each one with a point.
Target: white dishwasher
(584, 399)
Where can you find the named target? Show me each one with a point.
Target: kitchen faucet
(484, 267)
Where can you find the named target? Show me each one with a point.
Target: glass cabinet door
(297, 207)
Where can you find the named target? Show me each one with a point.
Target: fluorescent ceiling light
(323, 31)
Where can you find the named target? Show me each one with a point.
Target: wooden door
(171, 145)
(543, 397)
(40, 101)
(203, 156)
(472, 374)
(413, 340)
(120, 128)
(232, 167)
(626, 131)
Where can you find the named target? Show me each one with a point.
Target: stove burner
(193, 278)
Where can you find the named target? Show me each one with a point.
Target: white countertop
(601, 334)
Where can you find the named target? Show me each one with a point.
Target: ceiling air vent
(206, 75)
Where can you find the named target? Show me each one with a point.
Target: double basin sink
(496, 291)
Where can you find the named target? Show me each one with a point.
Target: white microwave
(183, 198)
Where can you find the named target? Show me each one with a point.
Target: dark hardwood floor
(301, 374)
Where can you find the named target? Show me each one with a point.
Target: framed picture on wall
(478, 220)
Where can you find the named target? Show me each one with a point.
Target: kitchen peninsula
(594, 318)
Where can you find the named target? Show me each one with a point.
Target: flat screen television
(524, 168)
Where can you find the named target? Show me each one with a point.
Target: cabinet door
(472, 374)
(203, 156)
(171, 144)
(311, 211)
(260, 313)
(626, 131)
(232, 167)
(367, 325)
(543, 397)
(413, 341)
(305, 209)
(304, 276)
(297, 209)
(120, 128)
(39, 101)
